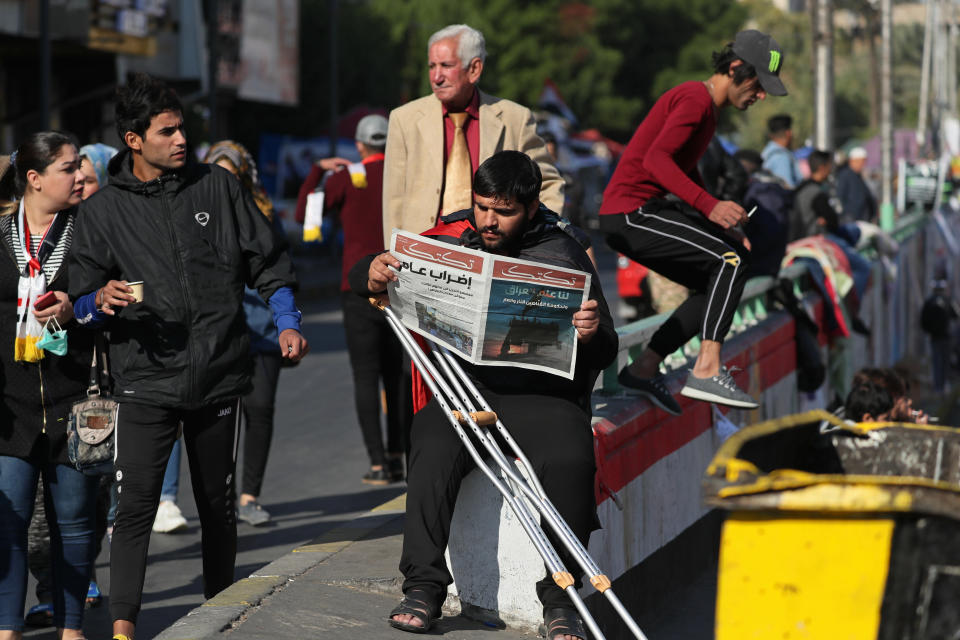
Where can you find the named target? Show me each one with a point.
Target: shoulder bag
(90, 434)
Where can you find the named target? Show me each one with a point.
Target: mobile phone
(46, 300)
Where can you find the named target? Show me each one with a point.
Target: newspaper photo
(488, 309)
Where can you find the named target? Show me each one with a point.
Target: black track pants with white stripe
(682, 245)
(144, 438)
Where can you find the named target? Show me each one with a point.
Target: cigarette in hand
(752, 211)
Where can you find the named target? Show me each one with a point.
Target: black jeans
(555, 435)
(682, 245)
(144, 438)
(375, 355)
(258, 406)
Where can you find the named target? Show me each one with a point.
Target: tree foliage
(611, 59)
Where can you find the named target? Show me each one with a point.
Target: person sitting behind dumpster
(868, 402)
(897, 386)
(549, 416)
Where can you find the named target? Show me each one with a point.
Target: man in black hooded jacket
(193, 237)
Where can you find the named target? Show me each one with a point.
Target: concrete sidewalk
(341, 585)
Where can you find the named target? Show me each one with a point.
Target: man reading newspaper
(548, 415)
(491, 309)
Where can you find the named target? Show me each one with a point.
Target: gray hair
(470, 42)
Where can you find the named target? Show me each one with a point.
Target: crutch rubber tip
(600, 582)
(563, 579)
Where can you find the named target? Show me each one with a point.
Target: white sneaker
(169, 519)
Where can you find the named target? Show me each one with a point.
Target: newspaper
(486, 308)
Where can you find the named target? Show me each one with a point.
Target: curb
(230, 607)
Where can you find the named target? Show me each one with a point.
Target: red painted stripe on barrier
(634, 439)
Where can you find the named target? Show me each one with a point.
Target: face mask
(54, 338)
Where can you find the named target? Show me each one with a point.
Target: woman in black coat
(42, 187)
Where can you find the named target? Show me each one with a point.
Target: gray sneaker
(654, 389)
(253, 514)
(720, 389)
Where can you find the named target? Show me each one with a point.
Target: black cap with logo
(763, 52)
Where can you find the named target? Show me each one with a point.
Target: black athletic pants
(375, 355)
(144, 438)
(556, 437)
(680, 244)
(258, 409)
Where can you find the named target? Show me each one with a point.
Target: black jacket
(936, 315)
(544, 241)
(37, 396)
(194, 237)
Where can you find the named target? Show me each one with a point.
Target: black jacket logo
(203, 218)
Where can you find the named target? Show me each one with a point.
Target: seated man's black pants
(555, 435)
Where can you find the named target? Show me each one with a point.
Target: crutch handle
(563, 579)
(600, 582)
(482, 418)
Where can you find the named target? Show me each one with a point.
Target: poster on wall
(270, 51)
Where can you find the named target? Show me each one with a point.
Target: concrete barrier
(650, 464)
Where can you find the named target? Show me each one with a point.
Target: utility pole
(886, 113)
(823, 56)
(213, 65)
(951, 16)
(334, 78)
(45, 71)
(924, 107)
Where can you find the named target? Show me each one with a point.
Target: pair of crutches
(462, 404)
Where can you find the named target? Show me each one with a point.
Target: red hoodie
(662, 156)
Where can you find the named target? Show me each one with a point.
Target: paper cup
(137, 290)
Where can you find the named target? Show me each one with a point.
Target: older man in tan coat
(435, 143)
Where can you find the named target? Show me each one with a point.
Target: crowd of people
(179, 270)
(190, 235)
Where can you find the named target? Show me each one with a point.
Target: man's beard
(505, 244)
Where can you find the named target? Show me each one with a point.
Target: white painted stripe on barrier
(659, 504)
(666, 498)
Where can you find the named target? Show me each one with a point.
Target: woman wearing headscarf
(258, 404)
(235, 158)
(43, 375)
(93, 162)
